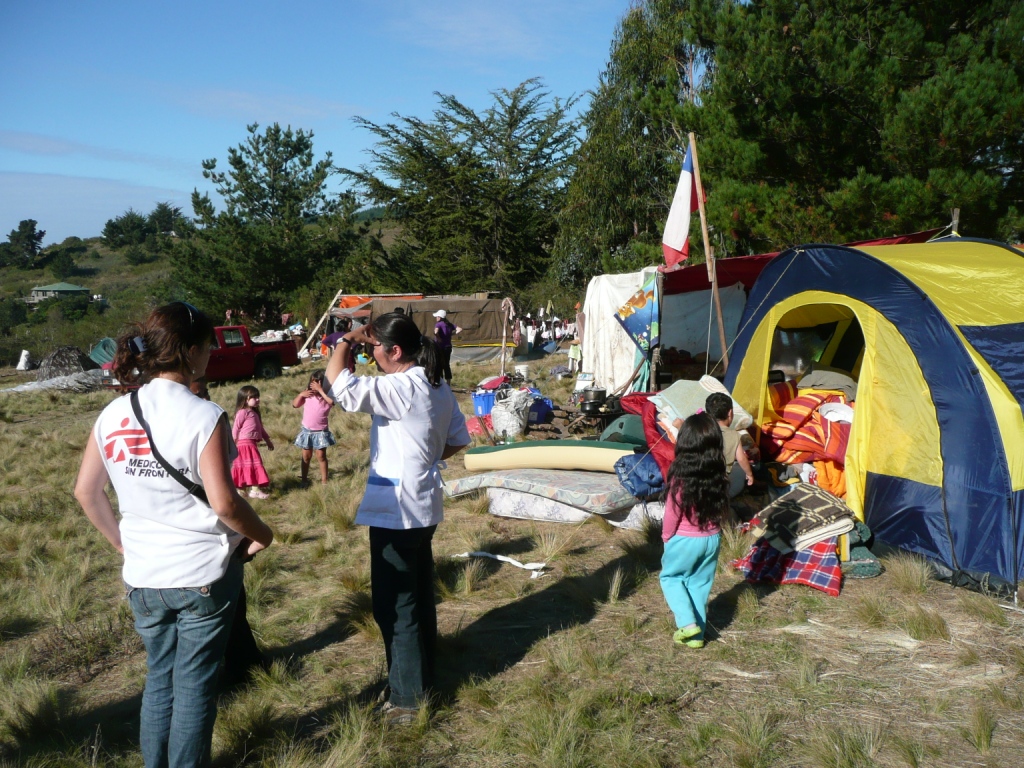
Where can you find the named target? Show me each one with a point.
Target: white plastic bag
(509, 416)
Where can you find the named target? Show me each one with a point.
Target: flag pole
(709, 251)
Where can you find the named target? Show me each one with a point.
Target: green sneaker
(697, 642)
(682, 636)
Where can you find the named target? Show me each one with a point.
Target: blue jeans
(185, 631)
(687, 573)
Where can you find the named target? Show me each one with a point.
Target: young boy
(737, 465)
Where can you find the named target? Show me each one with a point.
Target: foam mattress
(586, 455)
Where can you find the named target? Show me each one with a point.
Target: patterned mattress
(526, 506)
(598, 493)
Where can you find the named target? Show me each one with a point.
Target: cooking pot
(590, 407)
(594, 395)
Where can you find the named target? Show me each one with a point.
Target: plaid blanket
(816, 566)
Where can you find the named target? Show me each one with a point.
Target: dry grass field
(576, 668)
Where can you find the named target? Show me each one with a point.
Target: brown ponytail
(161, 343)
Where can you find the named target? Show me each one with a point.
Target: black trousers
(402, 585)
(242, 656)
(446, 364)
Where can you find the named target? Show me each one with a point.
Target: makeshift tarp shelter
(481, 320)
(64, 361)
(610, 354)
(685, 310)
(934, 334)
(349, 305)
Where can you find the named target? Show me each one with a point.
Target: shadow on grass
(501, 638)
(724, 607)
(13, 627)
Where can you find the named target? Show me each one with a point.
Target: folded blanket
(816, 567)
(803, 516)
(785, 541)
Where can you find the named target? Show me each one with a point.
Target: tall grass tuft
(984, 608)
(356, 739)
(547, 544)
(924, 624)
(871, 611)
(979, 730)
(34, 711)
(615, 585)
(734, 546)
(754, 735)
(473, 573)
(908, 573)
(357, 614)
(244, 727)
(832, 745)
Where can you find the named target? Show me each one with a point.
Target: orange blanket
(803, 434)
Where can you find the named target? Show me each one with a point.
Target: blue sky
(111, 105)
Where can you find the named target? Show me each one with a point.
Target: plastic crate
(540, 409)
(483, 402)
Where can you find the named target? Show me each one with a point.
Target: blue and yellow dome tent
(934, 333)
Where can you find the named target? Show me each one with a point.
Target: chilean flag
(675, 242)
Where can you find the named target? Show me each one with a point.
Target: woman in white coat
(416, 425)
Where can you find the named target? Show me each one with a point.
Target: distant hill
(370, 214)
(129, 290)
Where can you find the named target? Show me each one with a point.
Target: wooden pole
(654, 352)
(312, 334)
(709, 251)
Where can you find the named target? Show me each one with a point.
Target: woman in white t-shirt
(416, 425)
(182, 556)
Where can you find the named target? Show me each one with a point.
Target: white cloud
(54, 146)
(294, 109)
(73, 205)
(476, 29)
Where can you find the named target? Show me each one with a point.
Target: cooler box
(483, 403)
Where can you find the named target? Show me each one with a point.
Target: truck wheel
(268, 368)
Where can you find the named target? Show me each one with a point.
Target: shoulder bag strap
(194, 488)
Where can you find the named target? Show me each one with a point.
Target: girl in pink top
(696, 499)
(316, 406)
(247, 470)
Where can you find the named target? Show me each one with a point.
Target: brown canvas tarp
(480, 319)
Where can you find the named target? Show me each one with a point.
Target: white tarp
(684, 320)
(610, 354)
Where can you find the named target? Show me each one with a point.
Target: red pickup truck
(234, 355)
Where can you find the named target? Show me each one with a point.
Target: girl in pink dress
(247, 470)
(316, 406)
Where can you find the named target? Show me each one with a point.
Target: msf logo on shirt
(134, 441)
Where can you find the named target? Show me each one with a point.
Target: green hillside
(128, 289)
